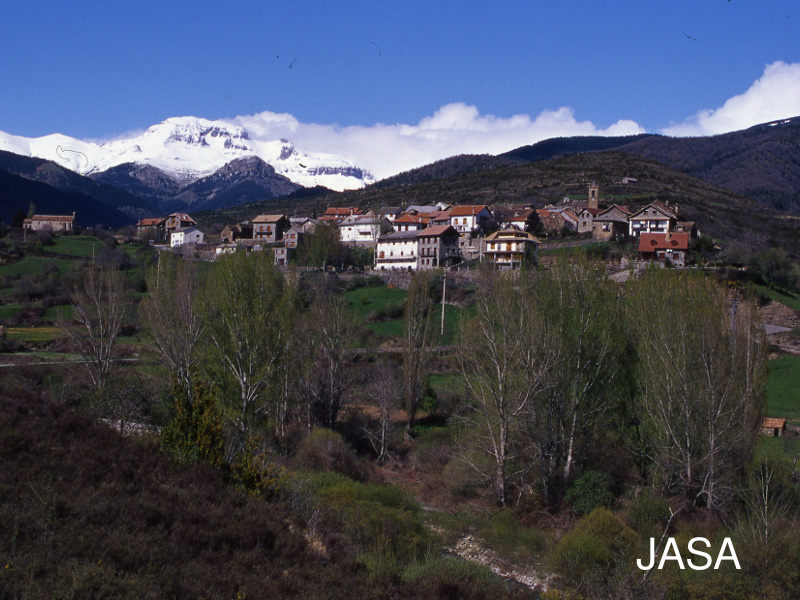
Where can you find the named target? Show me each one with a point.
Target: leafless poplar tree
(242, 308)
(502, 372)
(99, 303)
(701, 377)
(418, 335)
(330, 334)
(384, 394)
(171, 315)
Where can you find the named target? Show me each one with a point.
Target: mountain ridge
(190, 148)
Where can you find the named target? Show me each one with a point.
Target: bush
(454, 578)
(509, 538)
(647, 510)
(594, 547)
(382, 524)
(589, 491)
(326, 450)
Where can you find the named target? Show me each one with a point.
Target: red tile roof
(467, 210)
(650, 242)
(773, 423)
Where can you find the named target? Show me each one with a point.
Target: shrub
(594, 547)
(647, 510)
(589, 491)
(382, 523)
(509, 538)
(326, 450)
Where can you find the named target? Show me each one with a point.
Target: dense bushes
(591, 551)
(589, 491)
(85, 513)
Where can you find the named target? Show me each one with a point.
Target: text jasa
(672, 553)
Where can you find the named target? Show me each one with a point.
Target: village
(424, 237)
(388, 371)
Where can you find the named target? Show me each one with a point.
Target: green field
(75, 245)
(33, 334)
(9, 311)
(368, 302)
(790, 299)
(35, 265)
(783, 387)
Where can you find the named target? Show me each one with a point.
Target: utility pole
(444, 293)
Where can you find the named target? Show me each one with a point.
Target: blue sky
(99, 69)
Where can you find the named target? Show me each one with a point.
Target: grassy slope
(34, 265)
(790, 299)
(783, 385)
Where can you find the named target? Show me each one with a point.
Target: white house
(657, 217)
(359, 229)
(397, 251)
(468, 218)
(185, 235)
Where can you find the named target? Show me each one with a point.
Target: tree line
(558, 366)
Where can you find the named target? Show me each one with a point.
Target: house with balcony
(511, 248)
(437, 247)
(397, 251)
(269, 228)
(657, 217)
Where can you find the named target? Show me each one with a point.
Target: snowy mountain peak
(190, 148)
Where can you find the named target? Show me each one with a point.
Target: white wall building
(185, 235)
(397, 251)
(360, 229)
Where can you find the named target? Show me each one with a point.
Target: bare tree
(384, 394)
(701, 378)
(242, 308)
(585, 342)
(99, 303)
(171, 316)
(502, 372)
(418, 332)
(330, 334)
(768, 509)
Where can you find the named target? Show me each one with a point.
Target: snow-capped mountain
(188, 149)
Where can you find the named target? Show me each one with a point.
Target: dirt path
(470, 549)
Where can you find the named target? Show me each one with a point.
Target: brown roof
(667, 211)
(509, 213)
(182, 216)
(342, 211)
(150, 222)
(467, 210)
(650, 242)
(268, 218)
(408, 218)
(436, 231)
(773, 423)
(55, 218)
(512, 234)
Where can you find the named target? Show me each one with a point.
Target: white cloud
(775, 95)
(454, 129)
